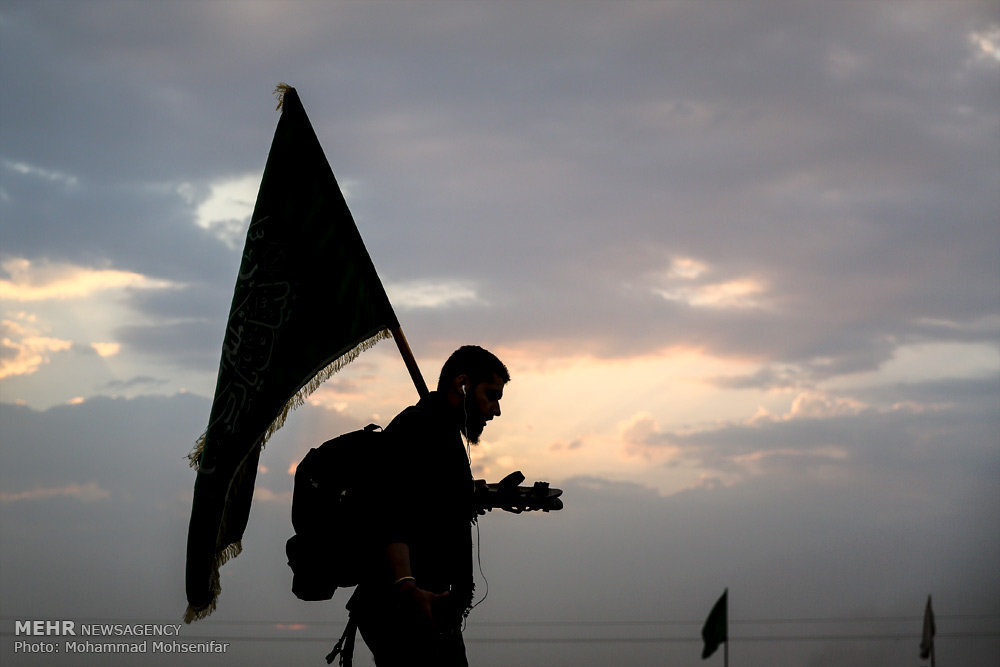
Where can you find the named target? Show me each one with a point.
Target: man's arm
(399, 560)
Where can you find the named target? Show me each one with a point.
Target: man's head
(473, 379)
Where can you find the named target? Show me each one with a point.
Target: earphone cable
(475, 519)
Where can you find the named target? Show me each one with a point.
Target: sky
(741, 259)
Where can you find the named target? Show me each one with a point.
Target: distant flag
(927, 639)
(307, 301)
(716, 628)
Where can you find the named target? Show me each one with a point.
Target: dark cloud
(205, 302)
(560, 446)
(961, 396)
(933, 429)
(188, 344)
(93, 442)
(791, 144)
(133, 227)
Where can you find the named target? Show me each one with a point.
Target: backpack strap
(345, 646)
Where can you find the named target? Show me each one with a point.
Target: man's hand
(480, 488)
(423, 601)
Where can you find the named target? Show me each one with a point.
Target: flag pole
(409, 360)
(725, 646)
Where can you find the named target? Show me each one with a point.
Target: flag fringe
(322, 376)
(196, 614)
(297, 399)
(194, 458)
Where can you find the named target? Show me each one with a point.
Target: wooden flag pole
(410, 361)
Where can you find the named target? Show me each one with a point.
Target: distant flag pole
(927, 638)
(307, 302)
(716, 629)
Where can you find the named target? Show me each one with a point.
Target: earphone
(463, 389)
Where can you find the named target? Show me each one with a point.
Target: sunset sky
(741, 259)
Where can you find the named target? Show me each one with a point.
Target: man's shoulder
(411, 417)
(428, 412)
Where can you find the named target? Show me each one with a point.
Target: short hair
(479, 364)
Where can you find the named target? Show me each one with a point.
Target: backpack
(332, 504)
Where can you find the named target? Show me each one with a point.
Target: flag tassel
(279, 93)
(297, 399)
(192, 613)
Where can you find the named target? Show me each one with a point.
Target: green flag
(307, 301)
(716, 628)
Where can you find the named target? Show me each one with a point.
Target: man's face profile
(482, 404)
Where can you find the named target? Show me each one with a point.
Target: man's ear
(460, 382)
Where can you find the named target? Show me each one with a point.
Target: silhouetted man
(410, 611)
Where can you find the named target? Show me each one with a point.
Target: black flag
(307, 301)
(716, 628)
(927, 637)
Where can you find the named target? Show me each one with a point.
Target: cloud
(42, 281)
(843, 63)
(560, 446)
(986, 45)
(926, 361)
(191, 343)
(740, 293)
(73, 307)
(265, 495)
(432, 294)
(24, 346)
(67, 180)
(640, 432)
(695, 283)
(89, 492)
(106, 349)
(139, 381)
(686, 268)
(821, 431)
(227, 209)
(820, 405)
(740, 162)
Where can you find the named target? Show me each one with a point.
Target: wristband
(402, 579)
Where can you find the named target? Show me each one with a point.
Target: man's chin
(475, 430)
